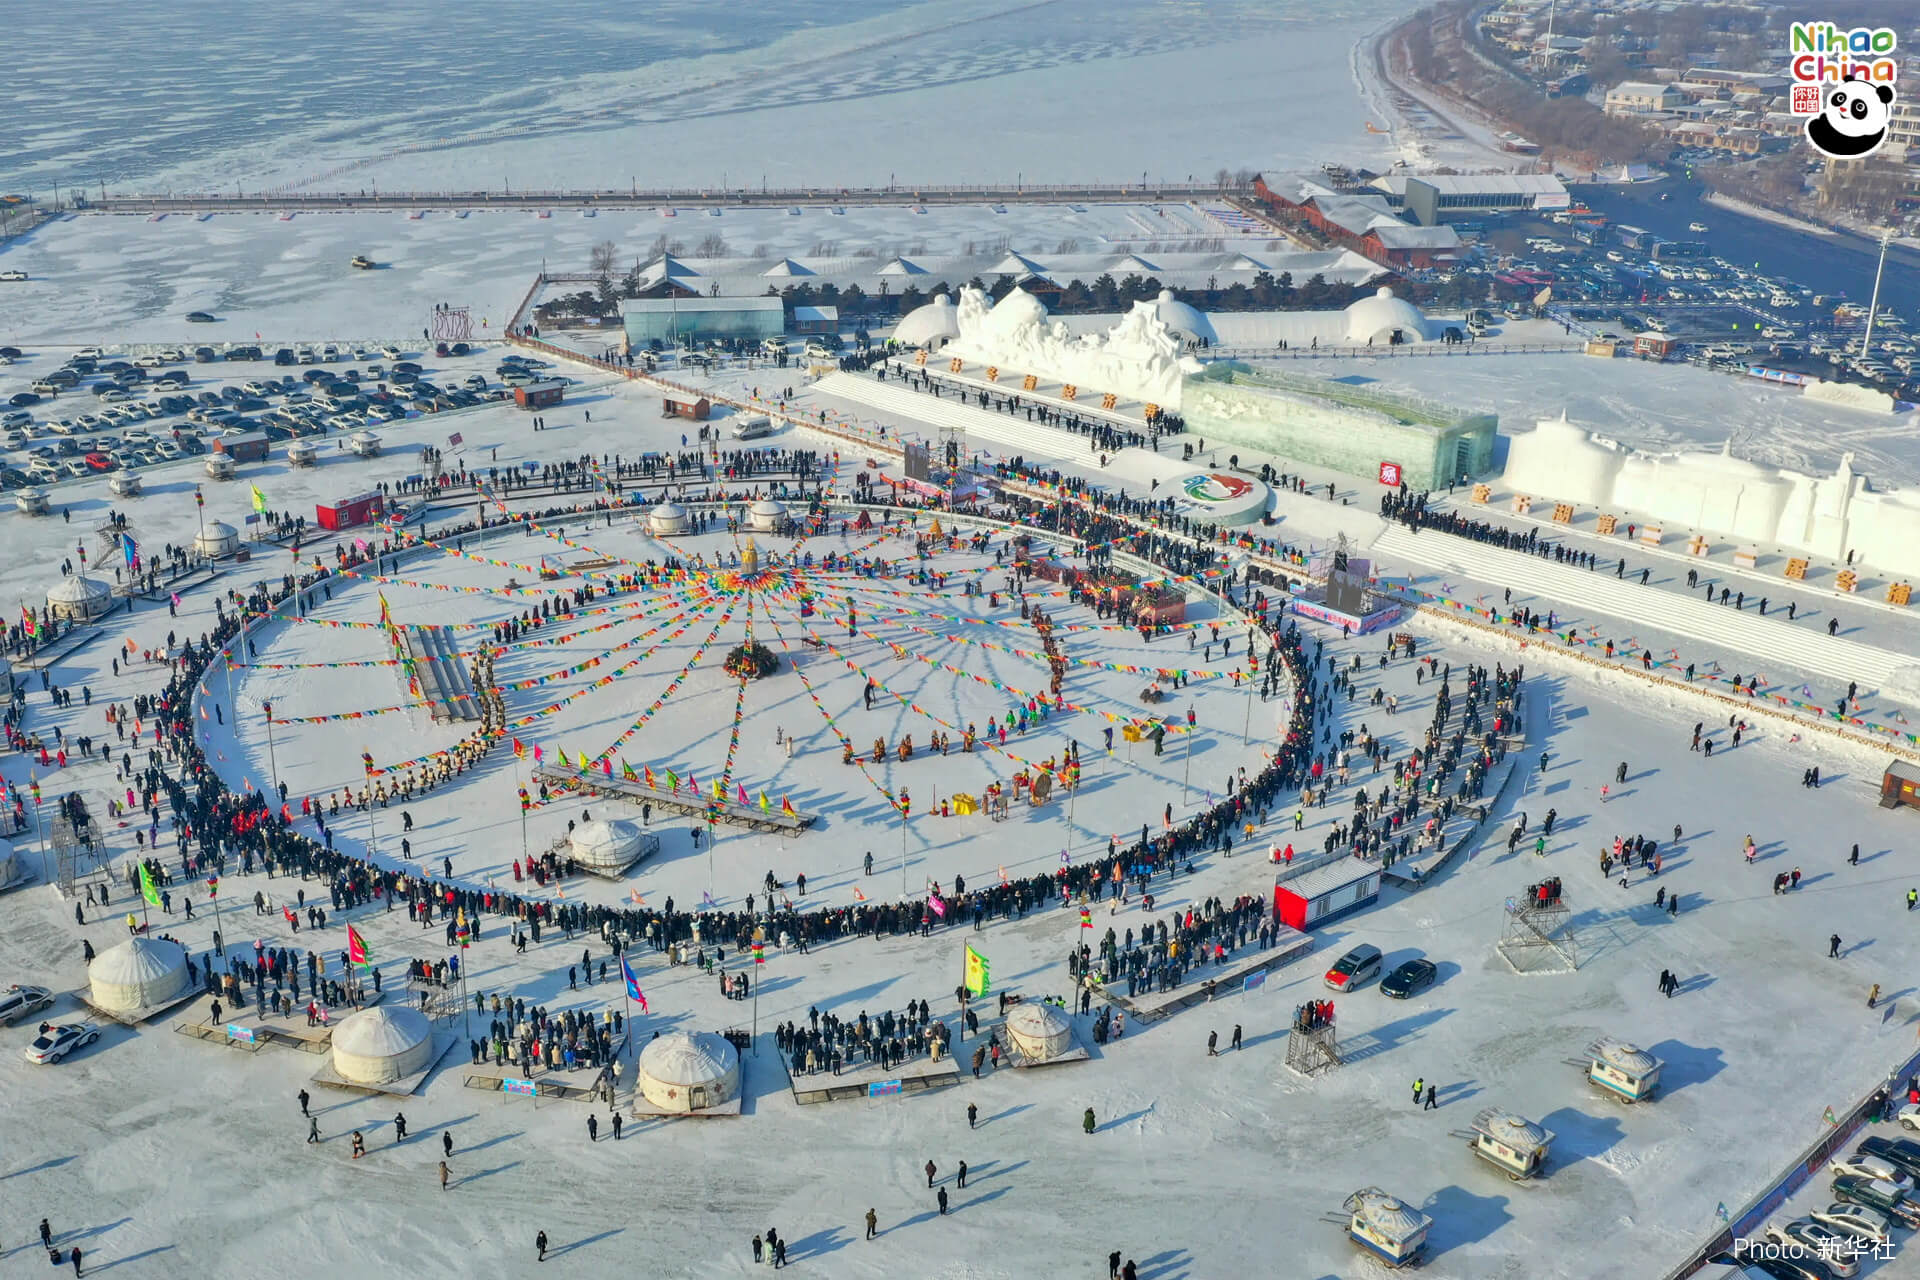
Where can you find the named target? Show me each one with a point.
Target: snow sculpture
(1138, 359)
(1718, 493)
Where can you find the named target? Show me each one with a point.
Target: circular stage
(905, 690)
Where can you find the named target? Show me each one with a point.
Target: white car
(391, 353)
(150, 362)
(1836, 1250)
(1863, 1222)
(13, 275)
(1861, 1166)
(59, 1041)
(88, 353)
(16, 1002)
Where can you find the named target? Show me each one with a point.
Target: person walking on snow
(1213, 1044)
(1433, 1091)
(873, 1224)
(930, 1173)
(1833, 947)
(1086, 1121)
(540, 1243)
(1235, 1043)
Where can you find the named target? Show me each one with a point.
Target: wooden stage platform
(870, 1080)
(1220, 981)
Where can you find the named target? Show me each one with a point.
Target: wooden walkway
(870, 1080)
(1210, 981)
(681, 802)
(446, 684)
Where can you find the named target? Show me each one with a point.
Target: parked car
(13, 275)
(390, 352)
(757, 427)
(1875, 1194)
(1355, 969)
(18, 1001)
(1901, 1153)
(16, 420)
(99, 462)
(1838, 1250)
(59, 1041)
(1411, 978)
(1862, 1165)
(200, 317)
(22, 399)
(1857, 1220)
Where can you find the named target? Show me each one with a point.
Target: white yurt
(766, 516)
(124, 484)
(1039, 1031)
(689, 1071)
(1384, 320)
(606, 848)
(931, 325)
(78, 596)
(301, 453)
(668, 520)
(382, 1044)
(216, 540)
(138, 974)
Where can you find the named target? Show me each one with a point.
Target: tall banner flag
(1086, 918)
(147, 887)
(259, 499)
(979, 974)
(633, 984)
(357, 950)
(130, 550)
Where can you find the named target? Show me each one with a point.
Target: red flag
(786, 807)
(357, 950)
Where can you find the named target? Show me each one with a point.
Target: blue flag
(633, 984)
(131, 550)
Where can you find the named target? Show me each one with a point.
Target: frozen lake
(412, 96)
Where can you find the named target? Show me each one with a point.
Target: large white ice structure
(380, 1045)
(1138, 359)
(1718, 493)
(931, 325)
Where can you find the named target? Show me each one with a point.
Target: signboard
(237, 1032)
(525, 1088)
(883, 1088)
(1390, 474)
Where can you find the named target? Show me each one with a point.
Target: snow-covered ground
(804, 94)
(1201, 1167)
(126, 278)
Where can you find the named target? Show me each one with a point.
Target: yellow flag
(979, 973)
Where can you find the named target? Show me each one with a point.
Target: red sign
(1390, 474)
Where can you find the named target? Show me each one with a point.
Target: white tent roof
(604, 841)
(1036, 1019)
(902, 267)
(1514, 1131)
(381, 1032)
(1017, 264)
(669, 511)
(769, 507)
(77, 589)
(1134, 262)
(219, 529)
(787, 267)
(688, 1058)
(138, 962)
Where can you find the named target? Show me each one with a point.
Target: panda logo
(1853, 119)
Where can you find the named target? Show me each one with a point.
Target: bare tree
(605, 254)
(712, 245)
(659, 247)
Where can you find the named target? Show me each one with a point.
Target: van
(757, 427)
(1355, 969)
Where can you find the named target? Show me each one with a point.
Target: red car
(99, 461)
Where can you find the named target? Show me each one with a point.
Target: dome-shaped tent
(1384, 319)
(217, 540)
(766, 516)
(931, 325)
(608, 848)
(689, 1071)
(140, 973)
(78, 596)
(668, 520)
(1039, 1031)
(379, 1045)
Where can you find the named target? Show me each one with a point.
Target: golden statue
(750, 558)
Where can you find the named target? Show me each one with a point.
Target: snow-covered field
(803, 94)
(125, 278)
(1202, 1167)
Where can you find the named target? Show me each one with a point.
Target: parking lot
(66, 415)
